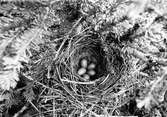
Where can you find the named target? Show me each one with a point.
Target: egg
(81, 71)
(86, 77)
(91, 72)
(84, 63)
(91, 66)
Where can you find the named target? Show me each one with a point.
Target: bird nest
(110, 67)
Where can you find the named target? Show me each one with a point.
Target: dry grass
(49, 38)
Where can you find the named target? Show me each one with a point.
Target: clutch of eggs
(86, 71)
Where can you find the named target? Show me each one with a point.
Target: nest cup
(92, 51)
(111, 66)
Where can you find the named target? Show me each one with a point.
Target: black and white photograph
(83, 58)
